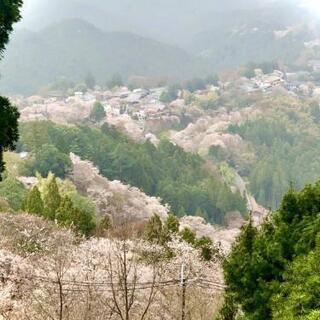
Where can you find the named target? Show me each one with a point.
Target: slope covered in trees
(273, 272)
(74, 48)
(284, 153)
(179, 178)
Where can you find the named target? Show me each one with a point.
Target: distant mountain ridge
(252, 35)
(74, 47)
(208, 36)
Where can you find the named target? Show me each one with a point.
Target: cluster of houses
(301, 83)
(143, 105)
(128, 109)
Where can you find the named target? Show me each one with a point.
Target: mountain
(267, 33)
(172, 21)
(74, 47)
(165, 39)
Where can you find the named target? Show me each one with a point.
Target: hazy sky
(35, 10)
(172, 21)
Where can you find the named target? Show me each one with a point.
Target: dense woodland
(178, 177)
(273, 272)
(282, 156)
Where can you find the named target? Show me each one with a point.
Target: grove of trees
(273, 272)
(61, 203)
(281, 155)
(167, 171)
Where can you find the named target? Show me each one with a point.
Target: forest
(179, 178)
(282, 156)
(273, 272)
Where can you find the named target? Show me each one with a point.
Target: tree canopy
(272, 272)
(178, 177)
(9, 128)
(9, 14)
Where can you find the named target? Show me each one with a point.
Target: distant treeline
(282, 156)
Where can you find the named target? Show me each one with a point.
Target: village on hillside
(146, 104)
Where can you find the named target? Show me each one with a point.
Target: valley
(159, 161)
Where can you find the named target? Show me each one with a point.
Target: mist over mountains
(171, 39)
(168, 20)
(73, 48)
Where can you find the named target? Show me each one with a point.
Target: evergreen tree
(97, 113)
(9, 14)
(9, 128)
(154, 230)
(299, 295)
(69, 216)
(271, 273)
(13, 191)
(49, 159)
(34, 203)
(208, 251)
(172, 225)
(51, 198)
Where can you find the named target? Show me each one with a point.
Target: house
(143, 92)
(133, 98)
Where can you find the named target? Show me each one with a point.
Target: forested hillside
(284, 154)
(178, 177)
(273, 32)
(73, 48)
(273, 272)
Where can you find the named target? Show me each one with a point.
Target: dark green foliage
(172, 224)
(49, 159)
(166, 171)
(161, 233)
(229, 310)
(195, 84)
(271, 270)
(299, 294)
(14, 191)
(170, 94)
(154, 230)
(9, 126)
(51, 199)
(68, 215)
(34, 203)
(97, 113)
(158, 232)
(9, 14)
(71, 211)
(213, 80)
(218, 153)
(282, 156)
(188, 236)
(263, 132)
(208, 251)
